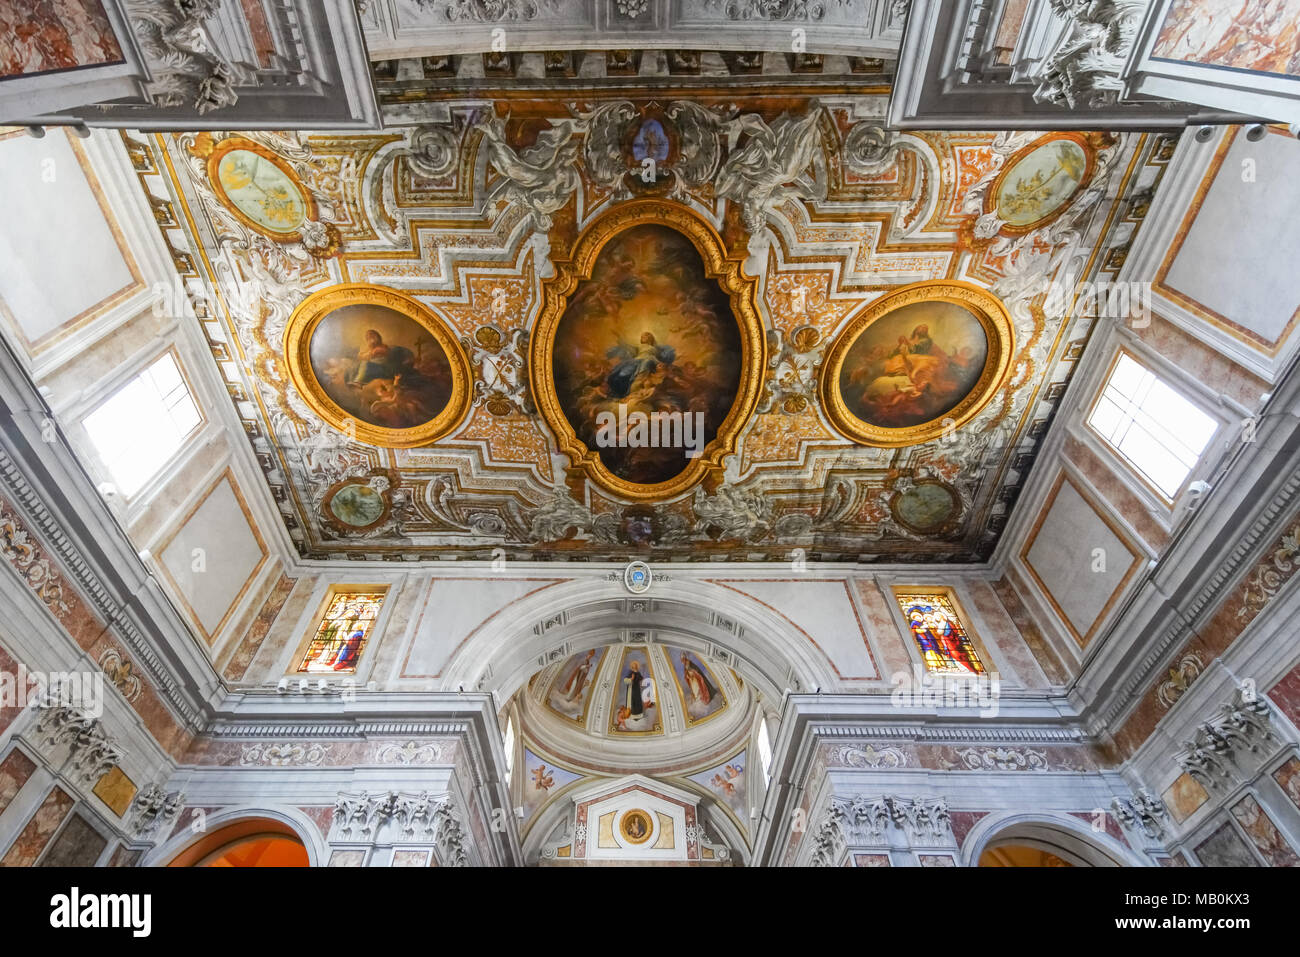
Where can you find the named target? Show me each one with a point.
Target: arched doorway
(252, 842)
(1020, 855)
(1042, 840)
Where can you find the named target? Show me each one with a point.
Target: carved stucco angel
(541, 177)
(773, 165)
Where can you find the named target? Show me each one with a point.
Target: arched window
(253, 842)
(764, 749)
(510, 747)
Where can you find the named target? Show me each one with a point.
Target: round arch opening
(1045, 843)
(252, 842)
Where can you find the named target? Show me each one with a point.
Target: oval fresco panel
(914, 364)
(1040, 183)
(380, 366)
(262, 190)
(357, 505)
(648, 334)
(920, 360)
(926, 506)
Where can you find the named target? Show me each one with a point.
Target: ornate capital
(92, 751)
(153, 808)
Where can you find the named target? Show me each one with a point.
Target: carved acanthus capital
(1240, 727)
(186, 67)
(92, 751)
(861, 820)
(1084, 68)
(1144, 812)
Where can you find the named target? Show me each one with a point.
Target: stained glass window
(342, 634)
(940, 635)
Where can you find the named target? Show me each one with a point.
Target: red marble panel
(15, 770)
(1286, 695)
(258, 630)
(1263, 833)
(40, 828)
(963, 821)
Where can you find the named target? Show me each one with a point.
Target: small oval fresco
(647, 355)
(262, 190)
(380, 366)
(357, 505)
(914, 364)
(1040, 183)
(926, 506)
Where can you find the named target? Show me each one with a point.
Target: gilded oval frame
(983, 305)
(995, 188)
(230, 145)
(720, 266)
(297, 344)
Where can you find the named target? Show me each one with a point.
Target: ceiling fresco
(429, 321)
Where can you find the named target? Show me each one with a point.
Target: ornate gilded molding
(1000, 336)
(719, 265)
(297, 345)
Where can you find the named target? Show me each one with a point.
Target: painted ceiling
(481, 219)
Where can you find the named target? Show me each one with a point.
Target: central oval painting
(921, 360)
(377, 364)
(647, 357)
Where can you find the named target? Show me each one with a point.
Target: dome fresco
(635, 690)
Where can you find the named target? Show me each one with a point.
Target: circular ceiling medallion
(927, 508)
(260, 188)
(1040, 181)
(638, 577)
(377, 365)
(635, 827)
(357, 504)
(920, 361)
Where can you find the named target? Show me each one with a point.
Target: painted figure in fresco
(649, 332)
(638, 697)
(541, 780)
(388, 385)
(723, 786)
(349, 651)
(701, 688)
(632, 692)
(374, 360)
(651, 141)
(635, 827)
(578, 678)
(915, 380)
(635, 363)
(939, 640)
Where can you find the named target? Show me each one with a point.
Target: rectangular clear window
(142, 425)
(1156, 430)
